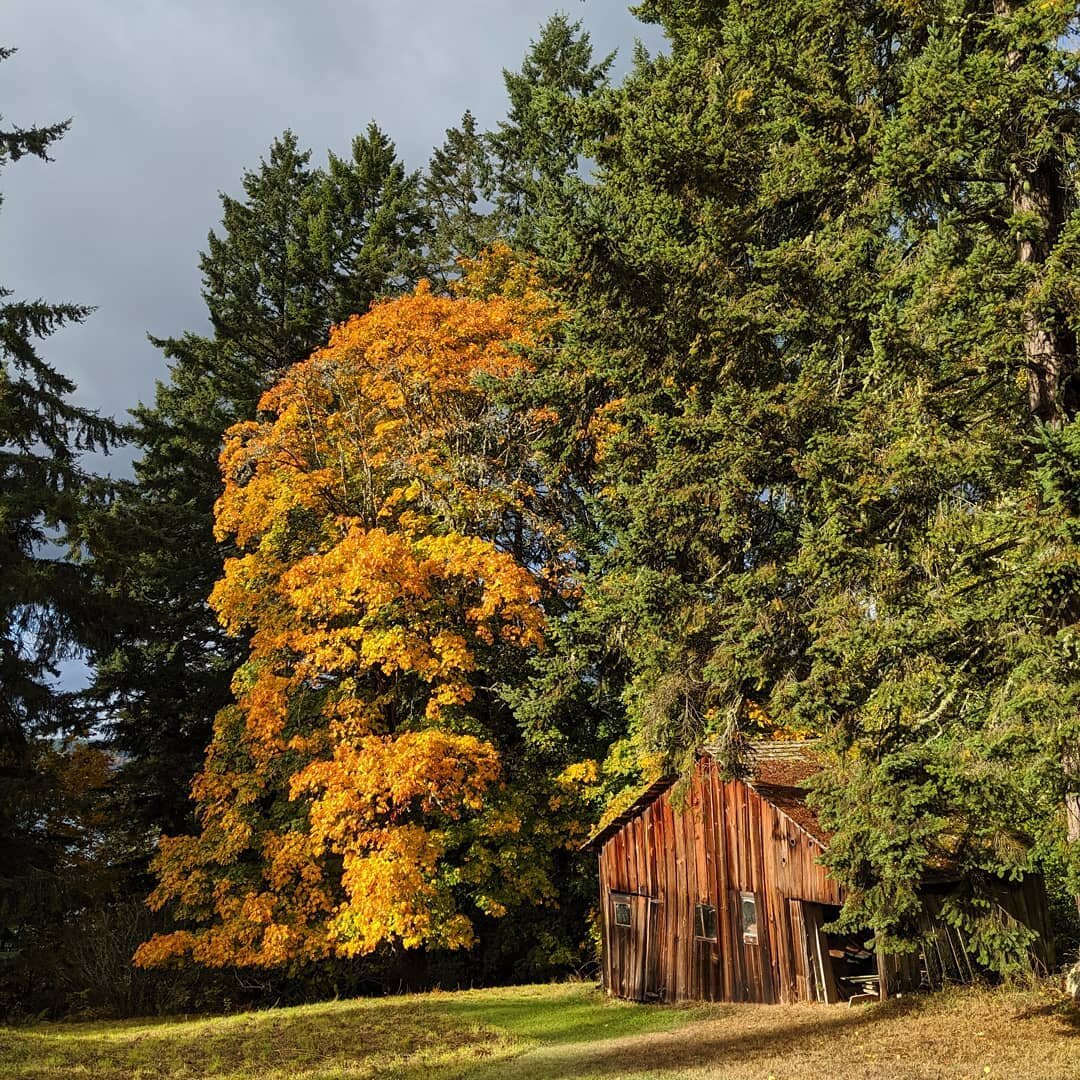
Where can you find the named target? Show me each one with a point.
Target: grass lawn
(569, 1031)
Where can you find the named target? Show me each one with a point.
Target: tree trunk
(1037, 192)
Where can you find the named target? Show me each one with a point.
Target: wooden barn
(724, 899)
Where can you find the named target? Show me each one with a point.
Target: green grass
(567, 1031)
(567, 1013)
(348, 1039)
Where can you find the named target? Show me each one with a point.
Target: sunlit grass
(566, 1031)
(365, 1038)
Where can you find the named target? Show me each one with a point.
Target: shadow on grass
(1064, 1011)
(539, 1033)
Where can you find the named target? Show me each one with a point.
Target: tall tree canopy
(536, 150)
(366, 788)
(45, 610)
(825, 309)
(303, 248)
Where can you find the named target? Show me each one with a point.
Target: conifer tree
(457, 191)
(45, 607)
(372, 228)
(536, 150)
(826, 303)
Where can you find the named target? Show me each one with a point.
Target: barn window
(622, 913)
(705, 923)
(748, 912)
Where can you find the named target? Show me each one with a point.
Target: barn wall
(726, 841)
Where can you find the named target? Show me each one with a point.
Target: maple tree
(298, 248)
(391, 567)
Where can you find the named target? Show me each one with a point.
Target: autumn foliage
(390, 571)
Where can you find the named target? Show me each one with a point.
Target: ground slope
(569, 1031)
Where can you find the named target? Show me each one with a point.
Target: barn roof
(776, 772)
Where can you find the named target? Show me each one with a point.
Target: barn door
(815, 980)
(634, 941)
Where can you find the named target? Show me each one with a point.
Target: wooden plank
(819, 954)
(751, 850)
(805, 984)
(723, 889)
(652, 955)
(769, 945)
(605, 929)
(671, 903)
(686, 901)
(639, 946)
(712, 885)
(782, 951)
(650, 852)
(663, 893)
(701, 964)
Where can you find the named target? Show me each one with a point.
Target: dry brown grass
(966, 1033)
(571, 1031)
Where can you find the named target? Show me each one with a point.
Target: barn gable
(776, 772)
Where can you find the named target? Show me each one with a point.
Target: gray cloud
(171, 101)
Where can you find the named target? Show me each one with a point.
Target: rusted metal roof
(776, 771)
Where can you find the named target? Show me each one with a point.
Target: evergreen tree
(371, 228)
(825, 298)
(457, 190)
(536, 150)
(47, 615)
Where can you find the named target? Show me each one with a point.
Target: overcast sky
(172, 99)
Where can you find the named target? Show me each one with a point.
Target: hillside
(568, 1031)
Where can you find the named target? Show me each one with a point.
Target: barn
(723, 898)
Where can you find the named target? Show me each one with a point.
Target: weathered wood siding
(728, 839)
(725, 841)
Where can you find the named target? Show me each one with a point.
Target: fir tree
(371, 229)
(457, 190)
(536, 150)
(825, 300)
(45, 604)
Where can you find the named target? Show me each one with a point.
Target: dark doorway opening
(837, 967)
(855, 967)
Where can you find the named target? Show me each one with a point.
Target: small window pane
(622, 913)
(748, 909)
(706, 922)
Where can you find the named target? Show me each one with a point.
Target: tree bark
(1037, 192)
